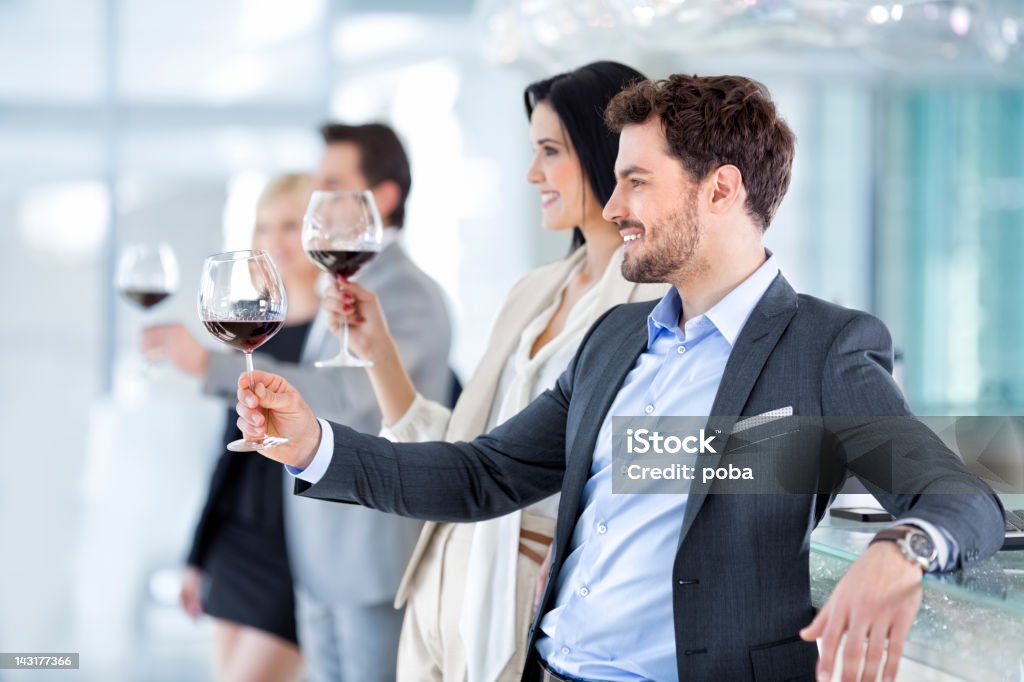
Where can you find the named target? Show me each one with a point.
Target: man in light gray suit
(347, 561)
(691, 586)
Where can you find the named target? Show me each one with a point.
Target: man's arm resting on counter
(928, 484)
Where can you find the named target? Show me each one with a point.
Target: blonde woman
(237, 569)
(469, 588)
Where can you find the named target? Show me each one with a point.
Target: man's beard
(673, 257)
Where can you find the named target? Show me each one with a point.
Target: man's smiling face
(655, 205)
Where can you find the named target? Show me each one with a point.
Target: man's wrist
(313, 449)
(912, 543)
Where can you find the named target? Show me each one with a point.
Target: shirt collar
(729, 315)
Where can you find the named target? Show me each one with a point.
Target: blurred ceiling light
(918, 35)
(425, 95)
(65, 220)
(1010, 30)
(644, 14)
(361, 98)
(238, 78)
(266, 22)
(369, 35)
(878, 15)
(960, 20)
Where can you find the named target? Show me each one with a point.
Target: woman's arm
(371, 339)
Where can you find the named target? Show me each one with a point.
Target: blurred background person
(469, 588)
(237, 568)
(347, 560)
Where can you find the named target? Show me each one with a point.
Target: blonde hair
(299, 185)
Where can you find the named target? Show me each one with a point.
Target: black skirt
(247, 581)
(239, 542)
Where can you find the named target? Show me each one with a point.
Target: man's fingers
(897, 637)
(246, 397)
(249, 431)
(272, 400)
(875, 651)
(816, 627)
(252, 415)
(830, 639)
(273, 381)
(853, 651)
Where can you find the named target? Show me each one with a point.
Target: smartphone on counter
(862, 514)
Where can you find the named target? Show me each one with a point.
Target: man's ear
(387, 195)
(726, 188)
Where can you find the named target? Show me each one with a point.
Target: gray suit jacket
(343, 554)
(740, 578)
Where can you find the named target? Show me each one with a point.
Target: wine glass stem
(344, 336)
(249, 370)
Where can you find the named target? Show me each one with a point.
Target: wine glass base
(344, 361)
(266, 443)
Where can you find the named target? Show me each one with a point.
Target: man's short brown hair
(713, 121)
(381, 157)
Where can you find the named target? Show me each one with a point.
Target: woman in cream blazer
(469, 588)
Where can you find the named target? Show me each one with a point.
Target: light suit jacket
(527, 299)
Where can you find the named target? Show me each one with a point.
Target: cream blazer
(527, 299)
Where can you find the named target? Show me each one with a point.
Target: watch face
(921, 545)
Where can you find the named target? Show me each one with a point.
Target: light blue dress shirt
(612, 615)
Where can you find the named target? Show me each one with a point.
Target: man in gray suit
(347, 561)
(690, 586)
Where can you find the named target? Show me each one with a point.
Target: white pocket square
(763, 418)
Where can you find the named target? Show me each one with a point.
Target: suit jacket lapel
(755, 343)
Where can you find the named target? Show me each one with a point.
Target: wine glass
(341, 232)
(242, 303)
(147, 274)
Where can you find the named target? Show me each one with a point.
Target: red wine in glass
(341, 263)
(145, 298)
(242, 303)
(341, 233)
(245, 336)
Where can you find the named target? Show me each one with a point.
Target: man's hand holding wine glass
(277, 409)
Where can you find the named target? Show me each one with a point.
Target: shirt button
(601, 529)
(584, 592)
(680, 349)
(649, 409)
(565, 651)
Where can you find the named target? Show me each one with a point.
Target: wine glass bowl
(242, 303)
(147, 274)
(341, 233)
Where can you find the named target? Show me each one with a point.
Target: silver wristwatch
(915, 544)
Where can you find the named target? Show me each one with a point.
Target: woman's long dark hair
(579, 99)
